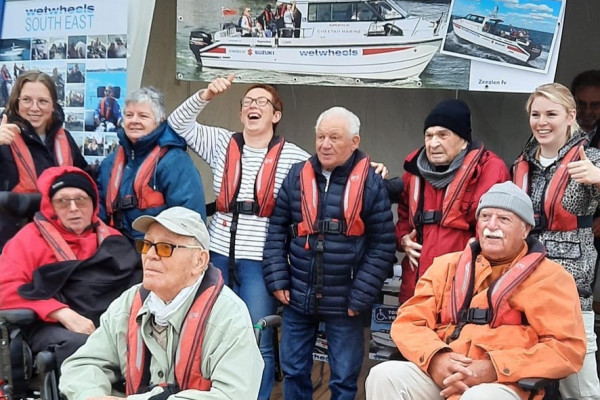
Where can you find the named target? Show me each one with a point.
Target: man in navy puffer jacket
(329, 247)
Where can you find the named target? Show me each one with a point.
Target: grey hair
(152, 96)
(351, 118)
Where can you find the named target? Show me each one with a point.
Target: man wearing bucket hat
(443, 182)
(486, 317)
(182, 331)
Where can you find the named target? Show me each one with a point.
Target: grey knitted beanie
(510, 197)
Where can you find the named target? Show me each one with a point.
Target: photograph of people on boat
(328, 42)
(518, 34)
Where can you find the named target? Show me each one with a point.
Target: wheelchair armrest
(270, 320)
(532, 384)
(45, 361)
(23, 205)
(18, 316)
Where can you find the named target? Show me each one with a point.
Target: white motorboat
(363, 39)
(14, 52)
(486, 32)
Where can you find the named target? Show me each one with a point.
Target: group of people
(498, 271)
(285, 21)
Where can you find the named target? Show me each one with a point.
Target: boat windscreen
(388, 9)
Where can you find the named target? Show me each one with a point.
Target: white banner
(83, 46)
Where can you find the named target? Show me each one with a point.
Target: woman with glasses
(150, 170)
(248, 169)
(561, 174)
(66, 265)
(32, 139)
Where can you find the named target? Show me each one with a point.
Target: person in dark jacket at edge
(150, 171)
(443, 182)
(32, 139)
(330, 245)
(66, 265)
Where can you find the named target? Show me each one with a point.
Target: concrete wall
(392, 119)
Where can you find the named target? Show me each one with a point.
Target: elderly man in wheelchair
(59, 273)
(484, 318)
(181, 332)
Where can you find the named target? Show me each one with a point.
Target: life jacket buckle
(479, 316)
(246, 207)
(127, 202)
(332, 226)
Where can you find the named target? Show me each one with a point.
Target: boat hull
(389, 59)
(463, 30)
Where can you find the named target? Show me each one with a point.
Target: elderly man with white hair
(329, 247)
(180, 334)
(486, 317)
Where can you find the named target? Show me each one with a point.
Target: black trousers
(54, 337)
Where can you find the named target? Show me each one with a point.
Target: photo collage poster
(83, 47)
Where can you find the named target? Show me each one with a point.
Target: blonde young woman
(562, 177)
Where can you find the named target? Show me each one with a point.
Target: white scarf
(164, 311)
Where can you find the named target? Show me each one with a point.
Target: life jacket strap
(541, 222)
(427, 217)
(331, 226)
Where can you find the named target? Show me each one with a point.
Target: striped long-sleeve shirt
(210, 143)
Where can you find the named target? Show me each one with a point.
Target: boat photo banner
(82, 45)
(374, 43)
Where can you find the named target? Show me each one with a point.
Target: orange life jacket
(145, 195)
(554, 216)
(26, 166)
(188, 373)
(352, 201)
(60, 248)
(499, 312)
(264, 186)
(450, 216)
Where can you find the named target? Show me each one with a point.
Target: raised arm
(206, 141)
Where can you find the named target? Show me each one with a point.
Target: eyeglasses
(42, 103)
(64, 202)
(163, 249)
(260, 101)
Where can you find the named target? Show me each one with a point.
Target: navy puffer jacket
(354, 268)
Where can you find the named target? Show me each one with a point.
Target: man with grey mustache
(486, 317)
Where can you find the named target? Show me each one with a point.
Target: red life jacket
(499, 312)
(145, 195)
(26, 166)
(450, 216)
(60, 248)
(105, 108)
(264, 186)
(188, 373)
(353, 198)
(554, 217)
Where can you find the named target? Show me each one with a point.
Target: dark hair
(12, 107)
(585, 79)
(276, 100)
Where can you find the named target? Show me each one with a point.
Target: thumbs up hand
(216, 88)
(584, 171)
(8, 132)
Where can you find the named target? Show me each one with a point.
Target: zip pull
(224, 222)
(306, 245)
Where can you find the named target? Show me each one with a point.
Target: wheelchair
(21, 375)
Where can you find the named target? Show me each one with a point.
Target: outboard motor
(198, 40)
